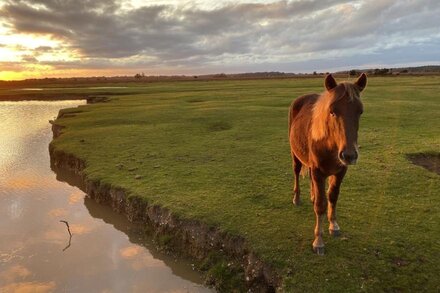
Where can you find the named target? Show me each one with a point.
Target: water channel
(106, 252)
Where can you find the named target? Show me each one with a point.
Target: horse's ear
(330, 82)
(361, 82)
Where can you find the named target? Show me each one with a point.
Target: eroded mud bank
(187, 237)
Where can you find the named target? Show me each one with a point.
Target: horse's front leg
(333, 193)
(320, 207)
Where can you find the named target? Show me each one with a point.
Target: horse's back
(304, 102)
(300, 115)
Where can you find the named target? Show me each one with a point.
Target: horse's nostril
(349, 157)
(342, 155)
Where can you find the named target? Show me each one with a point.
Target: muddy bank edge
(188, 237)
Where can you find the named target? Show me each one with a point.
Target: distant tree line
(139, 75)
(378, 71)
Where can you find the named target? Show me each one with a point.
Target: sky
(72, 38)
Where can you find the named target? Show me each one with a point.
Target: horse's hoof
(319, 250)
(334, 233)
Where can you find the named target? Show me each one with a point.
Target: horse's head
(343, 114)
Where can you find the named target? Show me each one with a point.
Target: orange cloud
(55, 213)
(76, 196)
(130, 251)
(14, 273)
(29, 182)
(29, 287)
(78, 229)
(139, 258)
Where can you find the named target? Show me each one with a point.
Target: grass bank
(217, 152)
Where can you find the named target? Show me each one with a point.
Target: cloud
(29, 287)
(29, 59)
(111, 34)
(16, 272)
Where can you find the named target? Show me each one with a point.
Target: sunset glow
(64, 39)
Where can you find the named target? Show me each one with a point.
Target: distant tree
(315, 73)
(353, 72)
(138, 76)
(382, 71)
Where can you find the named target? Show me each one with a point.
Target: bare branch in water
(70, 234)
(68, 227)
(68, 245)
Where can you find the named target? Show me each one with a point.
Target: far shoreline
(42, 97)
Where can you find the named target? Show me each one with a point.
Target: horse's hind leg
(296, 190)
(333, 193)
(312, 188)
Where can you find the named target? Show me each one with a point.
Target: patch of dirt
(429, 161)
(219, 126)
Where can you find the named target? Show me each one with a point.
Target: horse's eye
(332, 113)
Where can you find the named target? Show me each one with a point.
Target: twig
(68, 245)
(68, 228)
(70, 234)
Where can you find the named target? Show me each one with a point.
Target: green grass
(218, 152)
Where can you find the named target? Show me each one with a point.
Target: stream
(106, 253)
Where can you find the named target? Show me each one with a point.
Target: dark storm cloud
(247, 35)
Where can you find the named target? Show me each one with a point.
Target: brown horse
(323, 131)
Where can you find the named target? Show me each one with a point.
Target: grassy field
(218, 152)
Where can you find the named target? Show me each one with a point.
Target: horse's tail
(290, 119)
(305, 171)
(293, 111)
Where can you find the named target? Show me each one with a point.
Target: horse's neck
(320, 128)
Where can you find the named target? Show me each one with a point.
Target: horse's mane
(321, 108)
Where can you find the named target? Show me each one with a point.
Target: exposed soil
(429, 161)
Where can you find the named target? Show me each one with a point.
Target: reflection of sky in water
(101, 257)
(23, 134)
(70, 88)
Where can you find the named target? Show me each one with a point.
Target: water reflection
(106, 253)
(29, 287)
(70, 88)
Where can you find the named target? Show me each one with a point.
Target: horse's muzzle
(348, 158)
